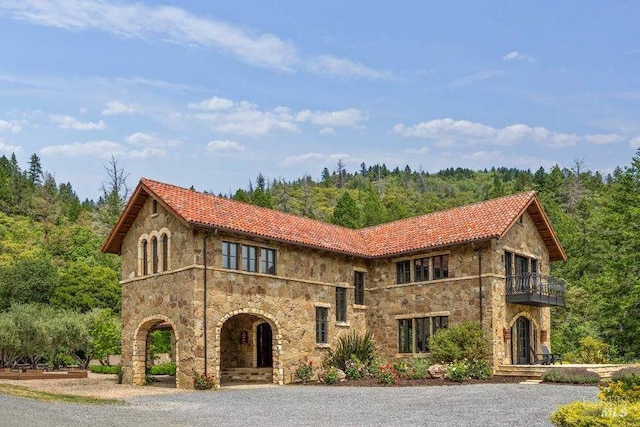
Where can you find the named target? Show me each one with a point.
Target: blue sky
(210, 93)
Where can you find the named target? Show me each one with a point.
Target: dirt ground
(96, 385)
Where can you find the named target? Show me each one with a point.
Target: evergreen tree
(346, 212)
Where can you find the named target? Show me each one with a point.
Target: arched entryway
(249, 348)
(155, 343)
(523, 340)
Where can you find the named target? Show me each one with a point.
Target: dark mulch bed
(374, 382)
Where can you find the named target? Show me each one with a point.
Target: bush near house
(571, 376)
(163, 369)
(360, 346)
(461, 341)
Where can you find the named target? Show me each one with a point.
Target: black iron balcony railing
(535, 289)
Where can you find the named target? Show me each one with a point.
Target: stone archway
(141, 347)
(523, 345)
(238, 333)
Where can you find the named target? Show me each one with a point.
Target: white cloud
(117, 108)
(318, 158)
(8, 149)
(341, 118)
(92, 148)
(635, 143)
(327, 131)
(68, 122)
(13, 126)
(245, 118)
(602, 139)
(146, 153)
(140, 138)
(213, 104)
(462, 132)
(329, 65)
(474, 78)
(517, 56)
(224, 146)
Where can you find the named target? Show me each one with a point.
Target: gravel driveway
(469, 405)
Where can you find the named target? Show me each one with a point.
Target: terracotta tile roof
(479, 221)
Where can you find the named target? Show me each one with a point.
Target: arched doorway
(156, 342)
(249, 347)
(521, 347)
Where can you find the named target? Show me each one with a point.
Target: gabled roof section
(477, 222)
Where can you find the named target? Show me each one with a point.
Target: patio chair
(548, 358)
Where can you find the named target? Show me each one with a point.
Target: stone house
(251, 293)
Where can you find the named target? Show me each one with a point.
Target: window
(154, 254)
(358, 283)
(249, 258)
(145, 258)
(321, 324)
(154, 207)
(267, 261)
(403, 272)
(424, 328)
(165, 252)
(230, 255)
(405, 336)
(421, 269)
(341, 304)
(440, 267)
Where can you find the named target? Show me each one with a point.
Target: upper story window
(154, 254)
(341, 304)
(165, 252)
(358, 283)
(440, 267)
(154, 207)
(145, 258)
(421, 269)
(403, 272)
(267, 261)
(230, 255)
(249, 258)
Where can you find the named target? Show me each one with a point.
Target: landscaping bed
(403, 382)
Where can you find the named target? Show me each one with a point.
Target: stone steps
(536, 371)
(247, 375)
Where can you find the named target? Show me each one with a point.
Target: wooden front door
(523, 341)
(264, 345)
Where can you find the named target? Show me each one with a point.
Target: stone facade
(239, 302)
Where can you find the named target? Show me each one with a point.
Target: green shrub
(104, 369)
(617, 391)
(331, 376)
(571, 375)
(119, 374)
(401, 368)
(163, 369)
(629, 376)
(596, 414)
(203, 382)
(480, 369)
(458, 371)
(355, 369)
(305, 371)
(591, 350)
(388, 374)
(418, 368)
(361, 346)
(464, 340)
(374, 366)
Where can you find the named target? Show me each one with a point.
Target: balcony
(535, 289)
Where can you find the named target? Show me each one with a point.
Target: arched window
(154, 249)
(165, 252)
(145, 258)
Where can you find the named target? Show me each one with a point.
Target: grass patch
(19, 391)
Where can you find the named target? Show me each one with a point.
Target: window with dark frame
(405, 336)
(249, 258)
(341, 304)
(165, 252)
(440, 267)
(145, 258)
(321, 324)
(154, 254)
(423, 329)
(358, 283)
(267, 261)
(439, 322)
(403, 272)
(230, 255)
(421, 269)
(154, 207)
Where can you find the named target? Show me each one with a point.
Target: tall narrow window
(403, 272)
(439, 322)
(145, 258)
(267, 261)
(405, 336)
(249, 258)
(154, 207)
(508, 270)
(421, 269)
(321, 324)
(423, 329)
(358, 283)
(154, 254)
(341, 304)
(165, 252)
(440, 267)
(230, 255)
